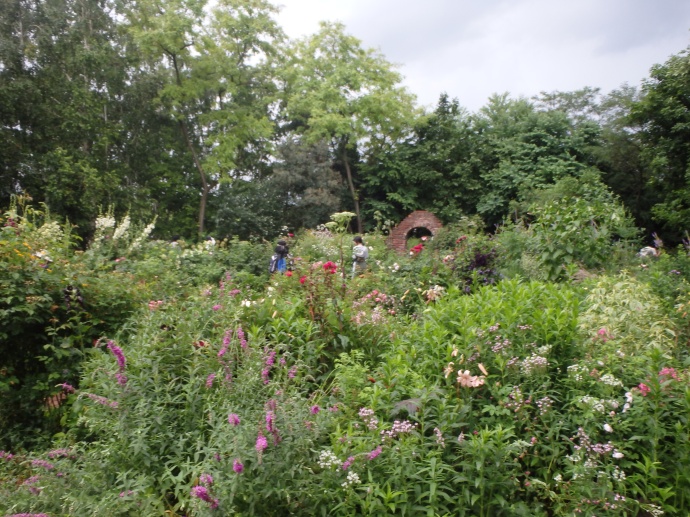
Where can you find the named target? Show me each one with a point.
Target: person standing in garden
(279, 258)
(360, 254)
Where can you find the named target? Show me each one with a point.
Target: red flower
(303, 279)
(291, 234)
(415, 250)
(330, 267)
(288, 273)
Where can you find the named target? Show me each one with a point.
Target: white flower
(121, 230)
(352, 479)
(608, 428)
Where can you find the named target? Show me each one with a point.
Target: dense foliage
(206, 116)
(539, 369)
(456, 380)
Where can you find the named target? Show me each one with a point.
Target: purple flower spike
(119, 355)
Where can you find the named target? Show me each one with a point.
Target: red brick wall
(418, 219)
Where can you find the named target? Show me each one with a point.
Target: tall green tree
(664, 116)
(521, 149)
(219, 77)
(617, 152)
(62, 75)
(435, 158)
(340, 92)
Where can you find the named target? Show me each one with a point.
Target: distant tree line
(206, 116)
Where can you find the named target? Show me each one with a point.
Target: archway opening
(417, 235)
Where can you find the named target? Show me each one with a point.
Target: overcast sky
(474, 48)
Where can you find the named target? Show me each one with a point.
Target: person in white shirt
(360, 254)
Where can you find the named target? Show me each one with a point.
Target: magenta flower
(209, 380)
(66, 387)
(234, 419)
(217, 307)
(373, 454)
(43, 464)
(237, 466)
(119, 355)
(348, 462)
(270, 417)
(201, 492)
(261, 443)
(59, 453)
(292, 372)
(241, 337)
(315, 409)
(206, 479)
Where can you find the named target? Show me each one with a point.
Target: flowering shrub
(398, 392)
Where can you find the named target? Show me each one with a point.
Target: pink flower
(261, 443)
(237, 466)
(347, 463)
(67, 387)
(206, 479)
(288, 273)
(217, 307)
(240, 336)
(119, 355)
(670, 372)
(43, 464)
(315, 409)
(644, 389)
(233, 419)
(270, 418)
(373, 454)
(201, 492)
(209, 380)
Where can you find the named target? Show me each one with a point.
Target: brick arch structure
(397, 239)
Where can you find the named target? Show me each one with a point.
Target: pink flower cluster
(42, 464)
(201, 492)
(370, 420)
(669, 373)
(399, 427)
(155, 304)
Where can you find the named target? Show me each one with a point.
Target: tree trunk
(351, 185)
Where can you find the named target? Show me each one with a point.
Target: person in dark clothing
(279, 258)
